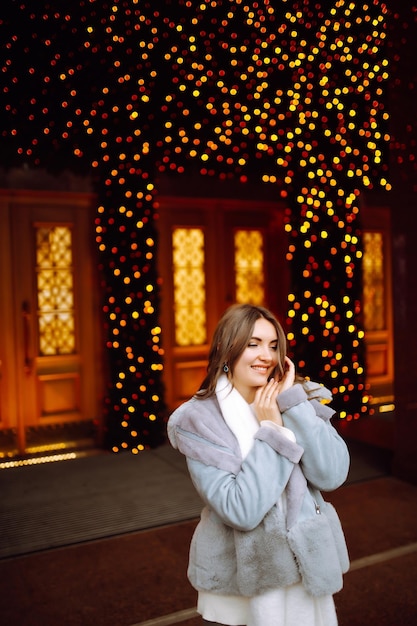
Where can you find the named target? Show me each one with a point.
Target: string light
(289, 94)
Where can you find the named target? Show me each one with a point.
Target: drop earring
(225, 368)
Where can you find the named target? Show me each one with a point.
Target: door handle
(27, 363)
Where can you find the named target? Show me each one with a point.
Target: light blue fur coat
(246, 542)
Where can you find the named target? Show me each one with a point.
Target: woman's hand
(288, 377)
(265, 404)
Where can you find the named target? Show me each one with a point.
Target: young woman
(268, 550)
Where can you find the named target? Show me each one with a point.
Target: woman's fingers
(289, 375)
(266, 407)
(269, 391)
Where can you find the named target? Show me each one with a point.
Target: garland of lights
(284, 93)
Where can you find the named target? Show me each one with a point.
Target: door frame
(217, 216)
(13, 391)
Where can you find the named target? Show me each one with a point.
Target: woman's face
(258, 360)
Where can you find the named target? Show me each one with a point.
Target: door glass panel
(189, 286)
(249, 267)
(373, 281)
(55, 291)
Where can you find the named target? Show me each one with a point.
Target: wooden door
(377, 306)
(49, 344)
(213, 252)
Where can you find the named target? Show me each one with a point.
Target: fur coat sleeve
(325, 460)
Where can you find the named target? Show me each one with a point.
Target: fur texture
(246, 543)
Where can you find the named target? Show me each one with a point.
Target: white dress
(291, 606)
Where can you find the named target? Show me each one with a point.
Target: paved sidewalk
(140, 578)
(95, 496)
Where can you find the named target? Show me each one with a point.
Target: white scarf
(238, 414)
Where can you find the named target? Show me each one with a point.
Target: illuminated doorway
(50, 373)
(377, 307)
(213, 252)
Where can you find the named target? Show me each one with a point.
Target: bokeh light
(289, 94)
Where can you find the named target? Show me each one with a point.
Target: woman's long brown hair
(231, 337)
